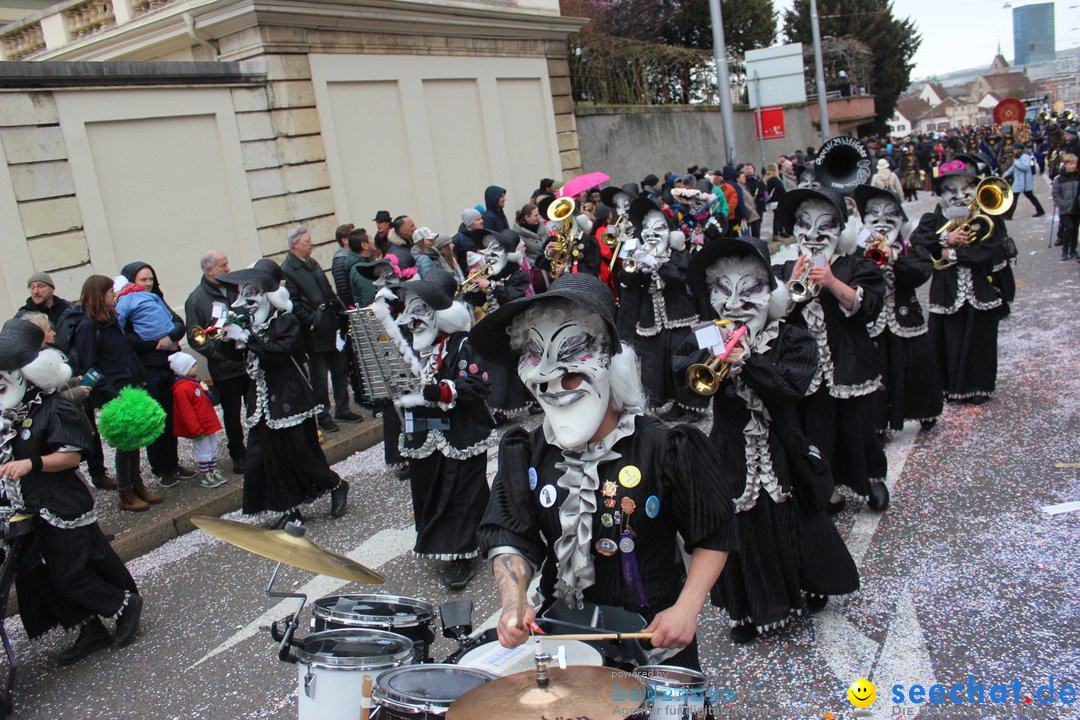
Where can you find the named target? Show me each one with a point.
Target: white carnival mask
(739, 291)
(12, 388)
(252, 299)
(495, 256)
(655, 234)
(817, 227)
(956, 192)
(884, 216)
(622, 204)
(419, 318)
(566, 367)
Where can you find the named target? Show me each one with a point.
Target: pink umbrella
(582, 183)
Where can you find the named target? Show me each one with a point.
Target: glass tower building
(1033, 33)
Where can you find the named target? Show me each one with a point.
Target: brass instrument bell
(705, 378)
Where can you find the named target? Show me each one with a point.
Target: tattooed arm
(512, 576)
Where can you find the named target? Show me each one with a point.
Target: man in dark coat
(399, 241)
(225, 362)
(317, 307)
(43, 298)
(494, 217)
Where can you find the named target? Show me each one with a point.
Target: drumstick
(587, 637)
(365, 708)
(522, 588)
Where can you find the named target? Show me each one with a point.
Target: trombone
(993, 197)
(705, 378)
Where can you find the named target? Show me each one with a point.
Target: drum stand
(284, 638)
(15, 537)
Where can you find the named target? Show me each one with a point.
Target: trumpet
(876, 252)
(200, 335)
(802, 288)
(993, 197)
(470, 283)
(705, 378)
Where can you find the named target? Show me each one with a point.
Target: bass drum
(402, 615)
(332, 666)
(424, 692)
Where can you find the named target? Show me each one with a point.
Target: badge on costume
(532, 478)
(25, 434)
(198, 392)
(606, 547)
(548, 494)
(27, 422)
(608, 489)
(629, 476)
(626, 544)
(606, 520)
(652, 507)
(462, 365)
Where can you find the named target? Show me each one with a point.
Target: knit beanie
(181, 363)
(469, 216)
(41, 278)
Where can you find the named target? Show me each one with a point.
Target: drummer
(595, 496)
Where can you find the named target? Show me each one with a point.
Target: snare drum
(402, 615)
(424, 692)
(672, 692)
(494, 658)
(332, 666)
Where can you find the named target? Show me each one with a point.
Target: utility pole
(723, 82)
(819, 72)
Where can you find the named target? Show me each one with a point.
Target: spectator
(73, 389)
(774, 186)
(750, 218)
(224, 361)
(383, 223)
(434, 250)
(532, 231)
(1066, 193)
(316, 307)
(339, 266)
(400, 241)
(146, 313)
(43, 298)
(547, 187)
(1022, 172)
(195, 418)
(757, 188)
(363, 274)
(103, 346)
(787, 175)
(727, 182)
(494, 217)
(886, 179)
(153, 354)
(650, 187)
(469, 237)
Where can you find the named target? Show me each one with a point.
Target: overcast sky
(959, 34)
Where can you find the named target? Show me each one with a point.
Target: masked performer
(655, 311)
(593, 499)
(911, 388)
(780, 507)
(842, 294)
(285, 465)
(447, 427)
(964, 304)
(72, 577)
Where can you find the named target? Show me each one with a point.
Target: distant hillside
(962, 77)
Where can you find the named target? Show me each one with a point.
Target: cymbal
(287, 548)
(574, 692)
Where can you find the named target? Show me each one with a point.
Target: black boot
(291, 516)
(92, 637)
(127, 622)
(742, 634)
(339, 499)
(458, 574)
(879, 496)
(928, 424)
(816, 603)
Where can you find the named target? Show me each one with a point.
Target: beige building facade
(280, 113)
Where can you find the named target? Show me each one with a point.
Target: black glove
(432, 392)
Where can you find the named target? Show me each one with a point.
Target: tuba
(705, 378)
(843, 163)
(993, 196)
(562, 210)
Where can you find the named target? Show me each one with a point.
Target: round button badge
(629, 476)
(532, 478)
(548, 494)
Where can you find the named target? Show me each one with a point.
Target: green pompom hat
(132, 420)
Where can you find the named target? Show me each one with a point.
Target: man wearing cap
(382, 222)
(650, 187)
(965, 303)
(43, 298)
(42, 440)
(593, 499)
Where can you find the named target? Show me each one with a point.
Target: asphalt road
(964, 574)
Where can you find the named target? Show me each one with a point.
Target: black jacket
(223, 358)
(285, 389)
(635, 295)
(494, 217)
(974, 263)
(339, 268)
(855, 361)
(106, 348)
(314, 303)
(58, 307)
(902, 313)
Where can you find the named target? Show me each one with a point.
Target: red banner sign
(770, 124)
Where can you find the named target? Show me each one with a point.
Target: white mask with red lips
(884, 216)
(419, 318)
(567, 368)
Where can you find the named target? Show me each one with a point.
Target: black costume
(71, 574)
(446, 446)
(837, 411)
(911, 389)
(964, 310)
(681, 479)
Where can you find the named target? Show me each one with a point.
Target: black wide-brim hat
(432, 291)
(249, 276)
(789, 204)
(507, 239)
(490, 337)
(607, 195)
(723, 247)
(865, 192)
(639, 208)
(20, 342)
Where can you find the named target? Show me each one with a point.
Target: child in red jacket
(194, 417)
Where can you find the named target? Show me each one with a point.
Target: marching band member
(964, 304)
(560, 488)
(911, 390)
(787, 544)
(285, 464)
(655, 311)
(447, 426)
(843, 294)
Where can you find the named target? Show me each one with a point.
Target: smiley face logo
(862, 693)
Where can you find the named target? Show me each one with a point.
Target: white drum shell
(672, 693)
